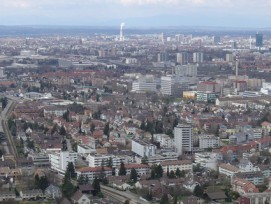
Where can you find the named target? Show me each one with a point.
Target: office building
(183, 138)
(208, 141)
(95, 160)
(229, 57)
(162, 57)
(144, 84)
(173, 85)
(259, 40)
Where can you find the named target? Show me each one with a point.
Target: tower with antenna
(121, 31)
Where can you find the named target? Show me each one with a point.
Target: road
(122, 196)
(5, 114)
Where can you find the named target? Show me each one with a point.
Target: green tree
(180, 173)
(81, 180)
(122, 170)
(70, 172)
(62, 130)
(143, 125)
(54, 129)
(107, 130)
(164, 199)
(92, 127)
(133, 175)
(4, 102)
(96, 185)
(110, 162)
(43, 183)
(66, 116)
(171, 174)
(198, 191)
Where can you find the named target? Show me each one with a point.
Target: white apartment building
(141, 169)
(197, 57)
(183, 138)
(207, 159)
(95, 160)
(183, 165)
(143, 148)
(85, 149)
(39, 159)
(182, 58)
(164, 140)
(208, 141)
(189, 70)
(173, 85)
(59, 160)
(228, 169)
(92, 172)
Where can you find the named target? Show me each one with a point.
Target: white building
(173, 85)
(183, 138)
(131, 61)
(208, 141)
(141, 169)
(182, 58)
(95, 160)
(198, 57)
(59, 160)
(228, 169)
(207, 159)
(143, 148)
(144, 84)
(92, 172)
(164, 140)
(85, 149)
(183, 165)
(190, 70)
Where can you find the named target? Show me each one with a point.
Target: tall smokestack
(121, 31)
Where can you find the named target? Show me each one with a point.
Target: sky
(137, 13)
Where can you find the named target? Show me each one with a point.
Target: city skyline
(222, 13)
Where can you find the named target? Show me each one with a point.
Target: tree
(110, 162)
(43, 183)
(180, 173)
(96, 186)
(66, 116)
(81, 180)
(106, 130)
(171, 174)
(143, 125)
(70, 172)
(198, 191)
(156, 172)
(133, 175)
(164, 199)
(62, 130)
(4, 102)
(54, 129)
(92, 127)
(122, 170)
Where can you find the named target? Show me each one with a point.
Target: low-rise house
(255, 177)
(7, 195)
(79, 198)
(228, 169)
(31, 194)
(242, 186)
(219, 196)
(85, 188)
(53, 192)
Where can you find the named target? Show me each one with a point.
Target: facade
(190, 70)
(183, 138)
(144, 84)
(259, 40)
(228, 169)
(208, 141)
(164, 140)
(92, 172)
(59, 161)
(183, 165)
(182, 58)
(207, 159)
(39, 159)
(143, 148)
(255, 177)
(141, 169)
(95, 160)
(173, 85)
(198, 57)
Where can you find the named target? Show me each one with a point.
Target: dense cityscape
(130, 116)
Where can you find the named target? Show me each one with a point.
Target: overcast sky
(229, 13)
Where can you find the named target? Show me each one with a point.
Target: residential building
(164, 140)
(39, 159)
(143, 148)
(79, 198)
(228, 169)
(255, 177)
(208, 141)
(92, 172)
(141, 169)
(198, 57)
(183, 165)
(59, 160)
(207, 160)
(182, 58)
(243, 186)
(190, 70)
(95, 160)
(183, 138)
